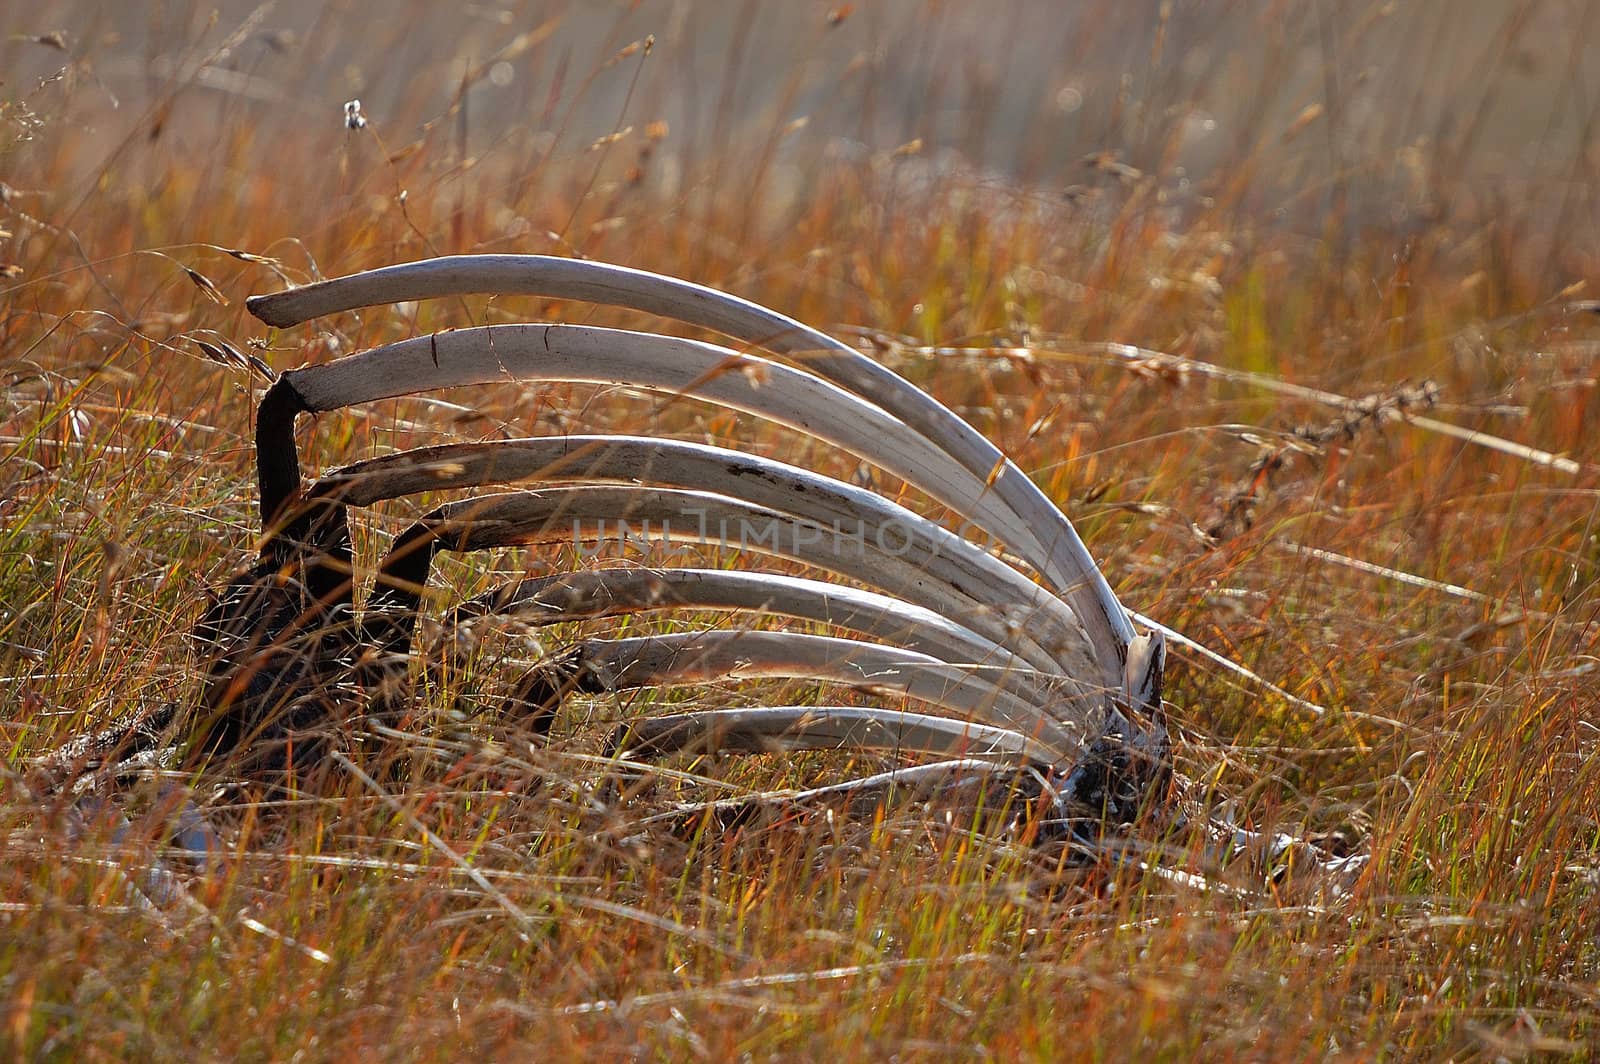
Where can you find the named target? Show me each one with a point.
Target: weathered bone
(581, 353)
(594, 593)
(1070, 659)
(605, 666)
(819, 500)
(768, 729)
(553, 514)
(813, 508)
(1068, 564)
(972, 633)
(565, 513)
(942, 777)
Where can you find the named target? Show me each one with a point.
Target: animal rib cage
(1021, 659)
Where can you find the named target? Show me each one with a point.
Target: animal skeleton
(1023, 660)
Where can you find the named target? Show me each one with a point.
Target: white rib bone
(593, 593)
(1069, 566)
(702, 657)
(767, 729)
(982, 487)
(527, 517)
(561, 513)
(947, 774)
(799, 400)
(816, 506)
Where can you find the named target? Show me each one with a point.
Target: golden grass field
(1357, 246)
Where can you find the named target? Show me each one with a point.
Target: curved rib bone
(553, 514)
(593, 593)
(560, 513)
(766, 729)
(581, 353)
(605, 666)
(1068, 564)
(867, 410)
(815, 508)
(947, 775)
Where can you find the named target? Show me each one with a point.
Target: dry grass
(1383, 199)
